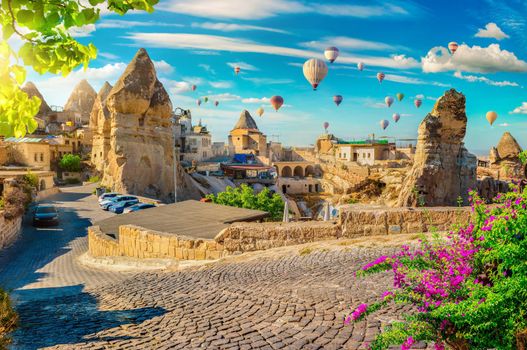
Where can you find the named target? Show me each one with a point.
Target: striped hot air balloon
(326, 126)
(337, 99)
(452, 46)
(237, 70)
(384, 124)
(315, 71)
(194, 87)
(380, 76)
(388, 100)
(418, 102)
(360, 66)
(396, 117)
(276, 102)
(331, 54)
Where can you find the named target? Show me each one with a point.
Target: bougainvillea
(469, 290)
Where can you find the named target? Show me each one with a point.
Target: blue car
(119, 207)
(45, 214)
(139, 206)
(106, 204)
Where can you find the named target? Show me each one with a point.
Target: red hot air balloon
(360, 66)
(326, 126)
(277, 102)
(396, 117)
(380, 76)
(388, 100)
(216, 103)
(236, 70)
(331, 53)
(337, 99)
(452, 46)
(418, 102)
(198, 102)
(194, 87)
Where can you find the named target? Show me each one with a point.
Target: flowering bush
(469, 289)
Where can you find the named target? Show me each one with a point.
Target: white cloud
(242, 65)
(221, 84)
(224, 97)
(411, 80)
(482, 79)
(56, 89)
(256, 100)
(504, 124)
(82, 32)
(207, 68)
(258, 9)
(163, 67)
(343, 42)
(491, 31)
(473, 59)
(222, 43)
(232, 27)
(119, 23)
(521, 109)
(420, 96)
(175, 87)
(107, 55)
(268, 81)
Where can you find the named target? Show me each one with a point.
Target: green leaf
(7, 31)
(20, 74)
(24, 17)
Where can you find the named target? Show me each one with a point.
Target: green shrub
(94, 179)
(8, 319)
(30, 179)
(70, 162)
(73, 181)
(244, 197)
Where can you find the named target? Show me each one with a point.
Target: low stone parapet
(9, 230)
(247, 237)
(358, 220)
(138, 242)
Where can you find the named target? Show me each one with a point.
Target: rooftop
(365, 142)
(188, 218)
(246, 121)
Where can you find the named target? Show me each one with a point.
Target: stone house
(365, 152)
(246, 138)
(29, 151)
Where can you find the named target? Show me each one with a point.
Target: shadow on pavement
(70, 319)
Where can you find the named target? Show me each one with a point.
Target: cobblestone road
(295, 302)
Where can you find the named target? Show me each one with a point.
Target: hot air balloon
(388, 100)
(236, 70)
(384, 124)
(216, 103)
(260, 111)
(331, 54)
(360, 66)
(452, 46)
(315, 71)
(380, 77)
(400, 96)
(277, 102)
(326, 126)
(418, 102)
(194, 87)
(337, 99)
(206, 99)
(396, 117)
(491, 117)
(198, 102)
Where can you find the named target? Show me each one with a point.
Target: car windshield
(46, 210)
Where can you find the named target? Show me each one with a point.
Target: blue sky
(199, 41)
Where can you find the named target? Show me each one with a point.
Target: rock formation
(31, 90)
(100, 128)
(80, 103)
(504, 159)
(443, 169)
(141, 147)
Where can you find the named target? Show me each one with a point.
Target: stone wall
(9, 230)
(137, 242)
(246, 237)
(368, 221)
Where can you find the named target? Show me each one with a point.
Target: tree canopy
(42, 28)
(70, 162)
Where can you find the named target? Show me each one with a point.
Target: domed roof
(246, 121)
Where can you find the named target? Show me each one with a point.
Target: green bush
(94, 179)
(8, 319)
(30, 179)
(73, 181)
(70, 162)
(244, 197)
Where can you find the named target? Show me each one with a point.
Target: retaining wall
(9, 230)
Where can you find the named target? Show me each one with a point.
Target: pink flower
(408, 343)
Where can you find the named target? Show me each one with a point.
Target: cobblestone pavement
(43, 262)
(295, 302)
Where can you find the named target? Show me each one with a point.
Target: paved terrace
(188, 218)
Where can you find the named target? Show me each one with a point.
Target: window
(369, 155)
(36, 157)
(101, 154)
(364, 155)
(41, 157)
(67, 142)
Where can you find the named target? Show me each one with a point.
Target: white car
(106, 196)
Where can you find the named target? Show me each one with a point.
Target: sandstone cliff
(443, 169)
(100, 128)
(31, 90)
(504, 159)
(140, 155)
(81, 100)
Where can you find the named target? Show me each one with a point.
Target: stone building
(29, 152)
(245, 138)
(365, 152)
(193, 141)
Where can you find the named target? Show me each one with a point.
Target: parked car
(105, 205)
(107, 195)
(118, 207)
(45, 214)
(139, 206)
